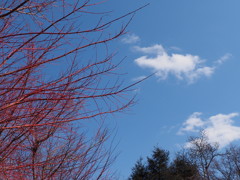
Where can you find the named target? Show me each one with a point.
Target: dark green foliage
(158, 168)
(139, 172)
(202, 160)
(158, 164)
(183, 169)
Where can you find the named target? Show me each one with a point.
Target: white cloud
(156, 49)
(130, 39)
(219, 128)
(184, 67)
(192, 123)
(223, 58)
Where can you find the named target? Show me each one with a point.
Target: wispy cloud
(184, 67)
(175, 48)
(130, 39)
(219, 128)
(223, 58)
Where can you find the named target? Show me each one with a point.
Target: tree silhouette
(203, 153)
(228, 164)
(182, 168)
(56, 73)
(198, 160)
(139, 171)
(155, 169)
(158, 164)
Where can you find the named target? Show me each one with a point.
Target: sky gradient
(193, 47)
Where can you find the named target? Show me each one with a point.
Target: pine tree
(182, 168)
(156, 167)
(158, 164)
(139, 171)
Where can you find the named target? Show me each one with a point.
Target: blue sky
(193, 46)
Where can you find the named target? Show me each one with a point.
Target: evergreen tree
(182, 168)
(139, 172)
(202, 160)
(158, 164)
(156, 167)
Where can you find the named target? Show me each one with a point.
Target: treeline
(200, 160)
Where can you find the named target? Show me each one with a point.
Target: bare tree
(40, 104)
(228, 165)
(203, 153)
